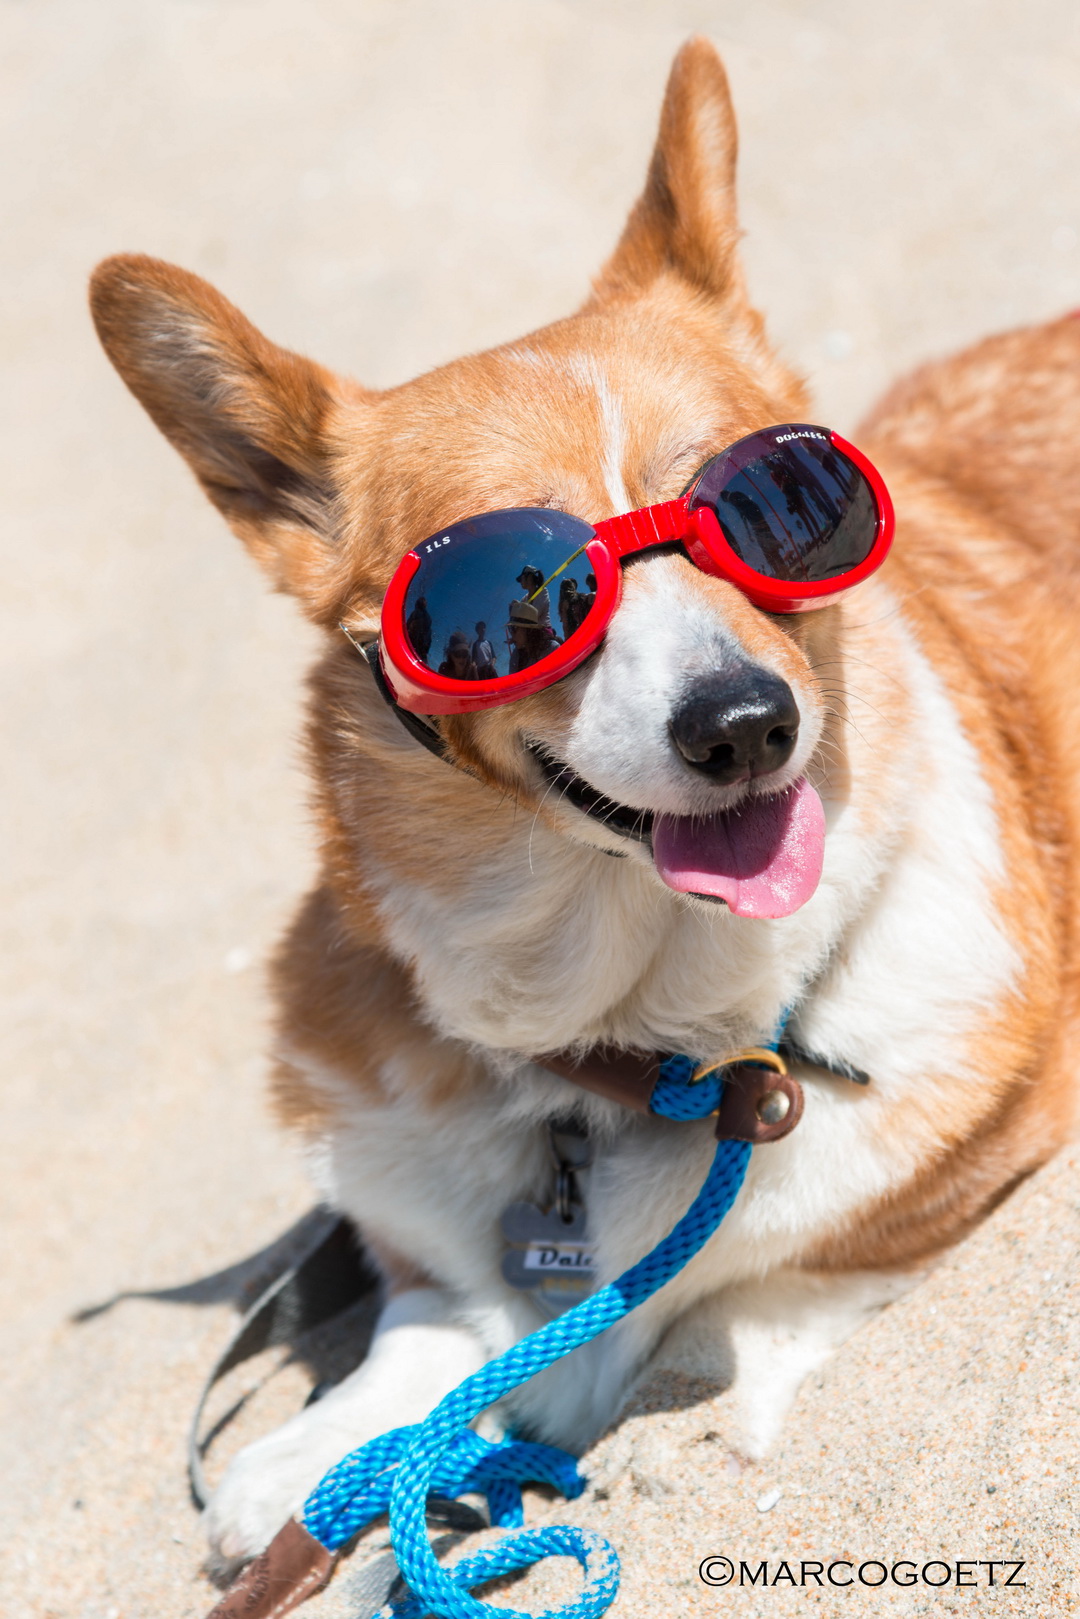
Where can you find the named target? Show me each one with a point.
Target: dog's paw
(264, 1486)
(416, 1357)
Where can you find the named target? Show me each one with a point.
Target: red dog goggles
(500, 606)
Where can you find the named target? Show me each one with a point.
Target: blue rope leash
(443, 1456)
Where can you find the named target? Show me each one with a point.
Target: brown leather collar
(759, 1103)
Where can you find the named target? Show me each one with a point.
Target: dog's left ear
(253, 420)
(685, 219)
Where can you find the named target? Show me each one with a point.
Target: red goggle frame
(418, 688)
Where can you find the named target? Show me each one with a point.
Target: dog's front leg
(420, 1351)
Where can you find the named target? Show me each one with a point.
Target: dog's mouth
(620, 818)
(762, 858)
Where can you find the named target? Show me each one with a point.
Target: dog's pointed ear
(685, 219)
(249, 417)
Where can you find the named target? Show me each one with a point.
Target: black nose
(736, 725)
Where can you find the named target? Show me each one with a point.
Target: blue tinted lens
(498, 593)
(791, 505)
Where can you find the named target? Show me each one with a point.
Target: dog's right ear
(248, 416)
(685, 220)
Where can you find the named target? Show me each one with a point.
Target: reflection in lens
(418, 628)
(480, 604)
(799, 510)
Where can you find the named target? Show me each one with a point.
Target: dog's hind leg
(420, 1351)
(754, 1344)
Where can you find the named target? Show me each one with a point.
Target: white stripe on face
(613, 429)
(585, 370)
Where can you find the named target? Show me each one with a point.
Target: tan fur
(329, 485)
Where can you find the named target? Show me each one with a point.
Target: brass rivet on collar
(773, 1107)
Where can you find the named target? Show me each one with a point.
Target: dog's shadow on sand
(311, 1293)
(239, 1284)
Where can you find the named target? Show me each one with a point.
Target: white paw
(416, 1357)
(267, 1484)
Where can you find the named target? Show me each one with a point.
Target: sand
(384, 184)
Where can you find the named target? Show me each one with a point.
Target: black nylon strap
(418, 729)
(327, 1277)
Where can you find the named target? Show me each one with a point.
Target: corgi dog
(490, 888)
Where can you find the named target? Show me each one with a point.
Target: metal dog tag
(547, 1255)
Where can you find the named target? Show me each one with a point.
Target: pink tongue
(763, 858)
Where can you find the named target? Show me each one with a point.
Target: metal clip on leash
(571, 1154)
(443, 1456)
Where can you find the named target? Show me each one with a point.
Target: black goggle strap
(417, 728)
(694, 481)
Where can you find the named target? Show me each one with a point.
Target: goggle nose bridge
(651, 525)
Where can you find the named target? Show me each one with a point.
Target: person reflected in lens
(458, 663)
(531, 580)
(807, 501)
(483, 654)
(569, 616)
(527, 638)
(750, 532)
(587, 598)
(581, 605)
(418, 629)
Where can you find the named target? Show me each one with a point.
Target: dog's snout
(736, 725)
